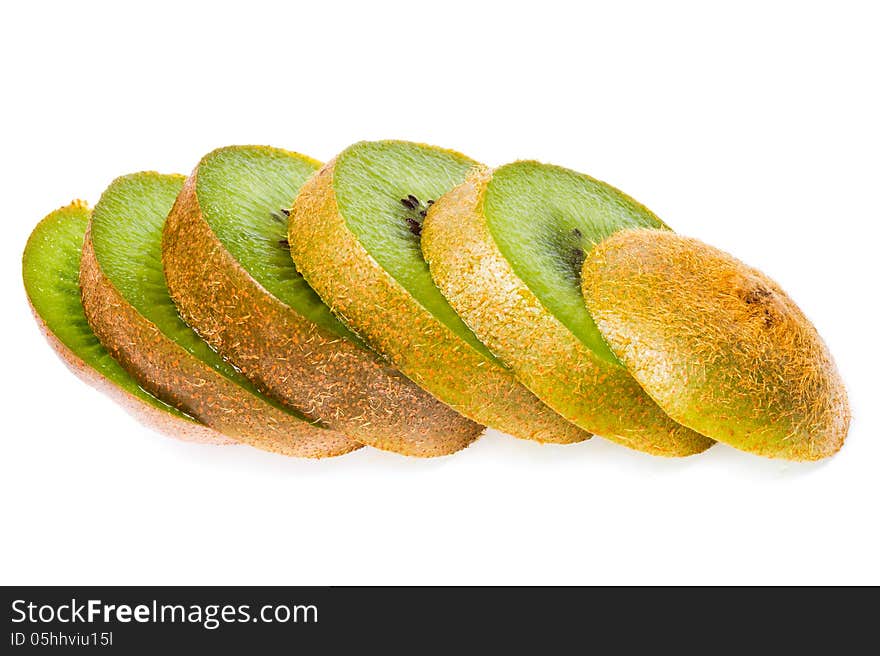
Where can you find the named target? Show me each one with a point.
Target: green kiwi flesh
(566, 374)
(290, 345)
(355, 235)
(50, 270)
(126, 234)
(372, 180)
(244, 194)
(544, 220)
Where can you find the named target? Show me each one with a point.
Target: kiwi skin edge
(496, 304)
(353, 284)
(718, 344)
(326, 377)
(185, 429)
(154, 418)
(172, 374)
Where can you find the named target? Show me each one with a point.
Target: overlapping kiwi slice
(126, 302)
(354, 233)
(530, 298)
(228, 268)
(50, 269)
(718, 344)
(506, 247)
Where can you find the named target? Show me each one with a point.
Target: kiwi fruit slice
(718, 344)
(228, 268)
(127, 304)
(354, 235)
(50, 270)
(505, 247)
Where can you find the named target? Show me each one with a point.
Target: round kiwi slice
(505, 248)
(50, 269)
(718, 344)
(228, 268)
(354, 235)
(127, 304)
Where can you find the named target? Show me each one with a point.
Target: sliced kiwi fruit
(354, 235)
(506, 247)
(718, 344)
(228, 268)
(50, 269)
(127, 304)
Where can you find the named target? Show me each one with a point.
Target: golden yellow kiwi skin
(173, 375)
(507, 317)
(719, 345)
(327, 377)
(387, 317)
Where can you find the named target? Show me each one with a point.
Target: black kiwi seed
(414, 223)
(575, 260)
(281, 215)
(757, 295)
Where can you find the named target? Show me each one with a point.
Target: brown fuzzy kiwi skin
(288, 357)
(186, 430)
(511, 321)
(388, 318)
(719, 345)
(171, 374)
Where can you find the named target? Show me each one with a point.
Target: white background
(753, 127)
